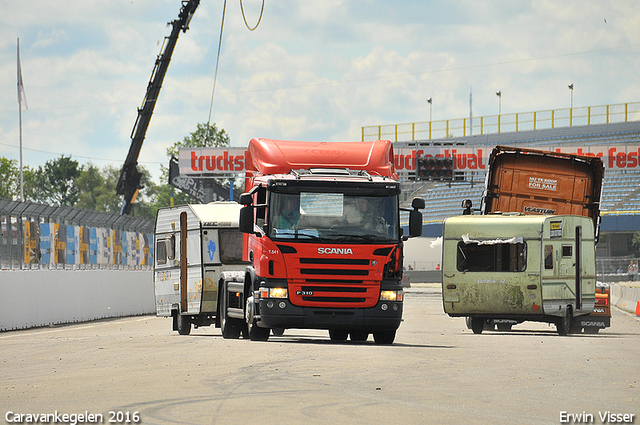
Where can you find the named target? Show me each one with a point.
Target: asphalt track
(437, 371)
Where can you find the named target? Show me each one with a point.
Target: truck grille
(334, 282)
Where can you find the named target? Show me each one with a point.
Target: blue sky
(312, 70)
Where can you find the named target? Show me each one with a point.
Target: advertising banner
(212, 160)
(622, 157)
(45, 243)
(200, 161)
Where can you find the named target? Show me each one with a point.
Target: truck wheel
(338, 335)
(563, 324)
(255, 332)
(504, 326)
(277, 331)
(184, 324)
(359, 336)
(384, 337)
(230, 327)
(591, 330)
(477, 325)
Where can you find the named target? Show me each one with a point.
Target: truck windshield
(333, 217)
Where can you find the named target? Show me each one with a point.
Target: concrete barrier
(422, 276)
(33, 298)
(625, 297)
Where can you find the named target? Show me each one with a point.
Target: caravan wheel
(477, 325)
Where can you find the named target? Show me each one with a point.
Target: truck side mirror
(418, 204)
(415, 222)
(245, 199)
(467, 205)
(246, 219)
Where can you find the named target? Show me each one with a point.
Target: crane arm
(129, 181)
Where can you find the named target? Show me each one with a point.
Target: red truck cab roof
(268, 157)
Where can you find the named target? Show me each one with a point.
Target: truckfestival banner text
(202, 161)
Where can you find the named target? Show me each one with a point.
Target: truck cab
(324, 242)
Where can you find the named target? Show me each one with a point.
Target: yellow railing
(521, 121)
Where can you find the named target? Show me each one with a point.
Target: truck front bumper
(280, 313)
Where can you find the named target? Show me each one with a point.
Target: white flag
(22, 97)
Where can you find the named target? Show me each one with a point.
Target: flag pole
(20, 96)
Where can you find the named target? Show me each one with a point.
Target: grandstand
(621, 187)
(618, 143)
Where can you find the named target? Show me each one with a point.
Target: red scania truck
(323, 239)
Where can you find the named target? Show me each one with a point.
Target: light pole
(499, 94)
(571, 108)
(571, 88)
(430, 102)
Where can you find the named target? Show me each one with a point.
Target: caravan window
(548, 257)
(497, 257)
(161, 252)
(171, 247)
(230, 246)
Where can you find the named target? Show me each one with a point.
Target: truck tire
(277, 331)
(230, 327)
(477, 325)
(359, 336)
(256, 333)
(384, 337)
(338, 335)
(563, 324)
(184, 324)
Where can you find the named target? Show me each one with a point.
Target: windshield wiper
(368, 238)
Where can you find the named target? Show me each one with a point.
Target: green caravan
(509, 268)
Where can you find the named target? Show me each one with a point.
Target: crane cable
(215, 75)
(245, 18)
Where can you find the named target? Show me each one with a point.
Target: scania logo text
(343, 251)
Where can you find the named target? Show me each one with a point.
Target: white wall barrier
(46, 297)
(625, 297)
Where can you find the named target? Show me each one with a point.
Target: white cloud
(310, 71)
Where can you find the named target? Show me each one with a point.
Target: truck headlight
(391, 295)
(273, 293)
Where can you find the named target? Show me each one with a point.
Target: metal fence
(522, 121)
(39, 236)
(616, 269)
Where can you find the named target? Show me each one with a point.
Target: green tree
(90, 184)
(10, 181)
(205, 136)
(58, 180)
(8, 178)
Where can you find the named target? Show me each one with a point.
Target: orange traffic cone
(638, 308)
